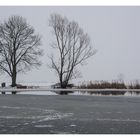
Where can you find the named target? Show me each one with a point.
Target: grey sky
(114, 32)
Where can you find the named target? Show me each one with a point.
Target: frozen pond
(31, 114)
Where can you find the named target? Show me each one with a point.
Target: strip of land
(71, 89)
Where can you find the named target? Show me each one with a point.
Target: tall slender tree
(71, 45)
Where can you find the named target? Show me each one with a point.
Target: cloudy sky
(114, 33)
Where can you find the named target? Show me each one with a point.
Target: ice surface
(42, 126)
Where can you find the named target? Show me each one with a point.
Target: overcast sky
(114, 33)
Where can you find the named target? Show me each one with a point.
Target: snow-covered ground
(43, 84)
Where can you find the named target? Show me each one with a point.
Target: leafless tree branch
(19, 47)
(72, 45)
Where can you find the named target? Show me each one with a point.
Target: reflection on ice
(134, 94)
(105, 93)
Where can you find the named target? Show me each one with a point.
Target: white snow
(72, 125)
(42, 126)
(10, 107)
(37, 93)
(118, 120)
(39, 115)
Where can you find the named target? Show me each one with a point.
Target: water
(133, 94)
(130, 94)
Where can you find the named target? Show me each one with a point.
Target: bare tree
(71, 45)
(19, 49)
(121, 77)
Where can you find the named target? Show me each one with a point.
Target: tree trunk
(61, 82)
(14, 76)
(63, 86)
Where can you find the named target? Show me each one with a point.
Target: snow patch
(42, 126)
(26, 123)
(9, 107)
(72, 125)
(118, 120)
(108, 112)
